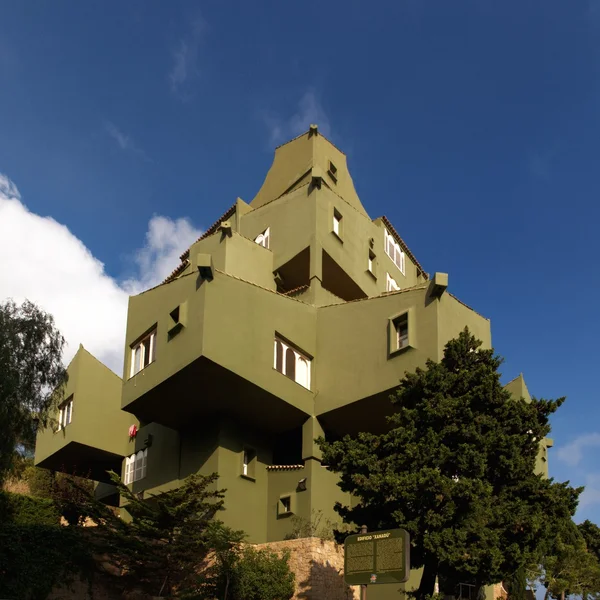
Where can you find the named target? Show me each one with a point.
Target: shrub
(18, 509)
(262, 575)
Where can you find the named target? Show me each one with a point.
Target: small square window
(337, 223)
(285, 506)
(332, 171)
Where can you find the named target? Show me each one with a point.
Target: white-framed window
(337, 223)
(65, 413)
(291, 363)
(264, 238)
(136, 466)
(401, 327)
(143, 353)
(392, 249)
(390, 284)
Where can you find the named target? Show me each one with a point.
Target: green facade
(213, 396)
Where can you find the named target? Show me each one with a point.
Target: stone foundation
(319, 569)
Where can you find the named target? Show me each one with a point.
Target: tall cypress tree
(456, 470)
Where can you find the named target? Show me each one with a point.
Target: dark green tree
(456, 470)
(591, 534)
(31, 376)
(568, 568)
(160, 548)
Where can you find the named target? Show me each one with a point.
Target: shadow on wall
(325, 581)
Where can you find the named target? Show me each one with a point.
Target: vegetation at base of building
(241, 572)
(31, 377)
(69, 492)
(18, 509)
(317, 526)
(456, 470)
(36, 553)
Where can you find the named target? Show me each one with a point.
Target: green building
(295, 315)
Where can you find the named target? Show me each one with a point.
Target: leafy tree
(569, 568)
(31, 374)
(168, 536)
(456, 470)
(242, 572)
(591, 534)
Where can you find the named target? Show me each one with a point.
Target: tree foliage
(31, 375)
(591, 535)
(159, 549)
(569, 567)
(456, 470)
(241, 572)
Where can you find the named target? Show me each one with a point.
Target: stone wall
(319, 568)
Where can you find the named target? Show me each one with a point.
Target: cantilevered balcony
(90, 435)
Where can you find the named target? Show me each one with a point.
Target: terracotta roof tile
(285, 467)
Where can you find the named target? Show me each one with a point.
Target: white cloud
(309, 111)
(124, 141)
(185, 58)
(573, 452)
(41, 260)
(591, 493)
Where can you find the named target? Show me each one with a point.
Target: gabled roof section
(518, 388)
(298, 157)
(186, 255)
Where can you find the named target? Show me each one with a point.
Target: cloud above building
(43, 261)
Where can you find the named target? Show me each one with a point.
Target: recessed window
(285, 506)
(371, 263)
(65, 413)
(392, 249)
(249, 463)
(390, 284)
(337, 223)
(136, 466)
(143, 353)
(401, 331)
(264, 238)
(332, 171)
(292, 363)
(174, 314)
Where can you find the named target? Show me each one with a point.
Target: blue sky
(127, 128)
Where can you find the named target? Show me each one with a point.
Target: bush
(36, 558)
(18, 509)
(40, 481)
(262, 575)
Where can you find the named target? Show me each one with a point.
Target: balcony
(212, 352)
(92, 432)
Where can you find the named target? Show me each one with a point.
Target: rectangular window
(136, 466)
(264, 238)
(285, 506)
(292, 363)
(143, 353)
(401, 329)
(249, 463)
(390, 284)
(392, 249)
(337, 223)
(371, 263)
(65, 413)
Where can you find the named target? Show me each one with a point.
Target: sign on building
(377, 557)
